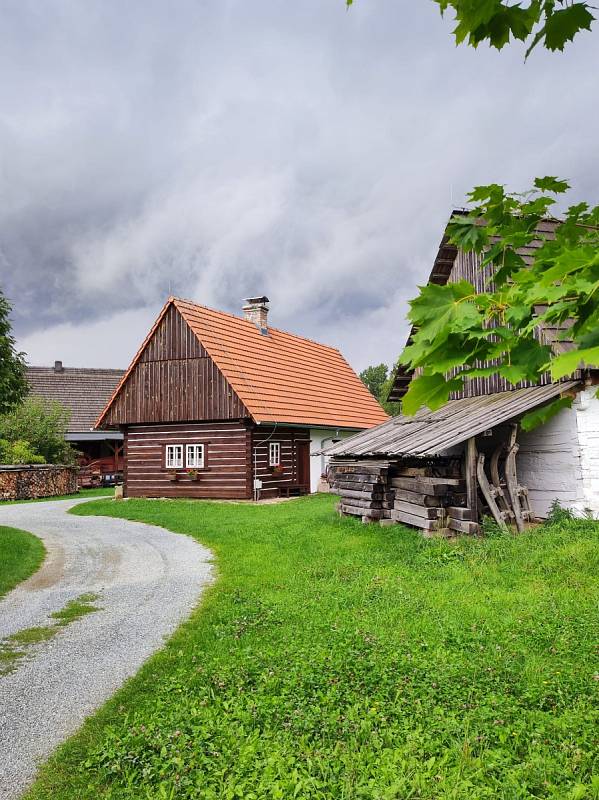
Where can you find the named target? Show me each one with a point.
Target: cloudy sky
(214, 149)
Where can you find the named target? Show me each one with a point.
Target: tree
(13, 385)
(551, 23)
(461, 333)
(378, 380)
(38, 427)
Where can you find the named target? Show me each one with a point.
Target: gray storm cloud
(217, 149)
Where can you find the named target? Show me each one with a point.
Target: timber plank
(417, 522)
(418, 510)
(463, 526)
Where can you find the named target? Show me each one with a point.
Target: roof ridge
(242, 319)
(79, 369)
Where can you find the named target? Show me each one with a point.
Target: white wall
(560, 460)
(586, 407)
(549, 463)
(319, 438)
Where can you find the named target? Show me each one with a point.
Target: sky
(218, 149)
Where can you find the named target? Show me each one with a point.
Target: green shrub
(41, 426)
(19, 452)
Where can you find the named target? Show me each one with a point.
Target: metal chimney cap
(257, 301)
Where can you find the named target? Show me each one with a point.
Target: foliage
(41, 426)
(462, 333)
(550, 23)
(19, 452)
(21, 553)
(337, 660)
(379, 381)
(13, 385)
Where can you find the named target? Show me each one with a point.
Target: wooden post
(471, 482)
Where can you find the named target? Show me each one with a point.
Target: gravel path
(148, 581)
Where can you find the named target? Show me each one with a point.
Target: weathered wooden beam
(362, 495)
(457, 512)
(418, 510)
(471, 482)
(358, 511)
(415, 497)
(489, 492)
(420, 487)
(417, 522)
(463, 526)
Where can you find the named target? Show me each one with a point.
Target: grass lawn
(21, 553)
(99, 492)
(336, 660)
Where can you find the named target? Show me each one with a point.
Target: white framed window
(174, 456)
(194, 456)
(274, 454)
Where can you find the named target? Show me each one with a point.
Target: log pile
(24, 481)
(363, 487)
(433, 504)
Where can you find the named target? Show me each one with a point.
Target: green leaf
(429, 390)
(541, 415)
(567, 363)
(551, 184)
(563, 25)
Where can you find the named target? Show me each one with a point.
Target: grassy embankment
(336, 660)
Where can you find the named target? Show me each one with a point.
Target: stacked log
(363, 488)
(433, 504)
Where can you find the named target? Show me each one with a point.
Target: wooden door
(303, 464)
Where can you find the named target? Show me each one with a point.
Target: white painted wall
(560, 460)
(319, 438)
(586, 407)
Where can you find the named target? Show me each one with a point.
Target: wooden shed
(443, 471)
(219, 406)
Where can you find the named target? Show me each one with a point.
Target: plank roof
(278, 376)
(84, 392)
(430, 433)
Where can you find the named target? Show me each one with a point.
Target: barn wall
(288, 437)
(226, 475)
(174, 380)
(549, 463)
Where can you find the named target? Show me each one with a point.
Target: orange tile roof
(279, 377)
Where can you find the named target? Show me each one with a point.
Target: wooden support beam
(471, 482)
(463, 526)
(418, 510)
(489, 492)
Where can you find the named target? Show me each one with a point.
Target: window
(174, 456)
(274, 454)
(194, 454)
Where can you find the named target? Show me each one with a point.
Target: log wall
(227, 471)
(290, 439)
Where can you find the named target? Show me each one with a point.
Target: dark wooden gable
(174, 380)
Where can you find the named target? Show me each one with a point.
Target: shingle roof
(84, 392)
(429, 433)
(279, 377)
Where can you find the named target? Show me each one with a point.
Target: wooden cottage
(218, 406)
(443, 471)
(84, 392)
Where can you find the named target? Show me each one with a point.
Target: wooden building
(219, 406)
(84, 392)
(443, 471)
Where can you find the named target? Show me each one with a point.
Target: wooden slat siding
(287, 437)
(175, 380)
(226, 474)
(467, 267)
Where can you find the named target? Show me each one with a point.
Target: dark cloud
(218, 149)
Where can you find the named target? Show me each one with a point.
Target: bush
(19, 452)
(41, 426)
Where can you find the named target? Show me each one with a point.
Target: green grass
(11, 652)
(82, 493)
(21, 554)
(336, 660)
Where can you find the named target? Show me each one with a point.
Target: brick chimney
(256, 310)
(58, 366)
